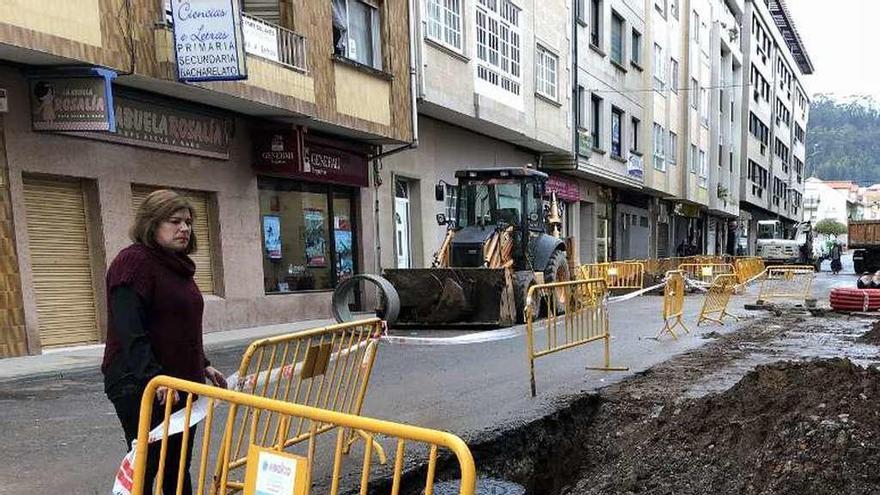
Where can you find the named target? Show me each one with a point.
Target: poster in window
(315, 237)
(344, 255)
(272, 236)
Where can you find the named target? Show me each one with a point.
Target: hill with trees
(843, 139)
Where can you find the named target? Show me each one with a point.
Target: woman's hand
(215, 376)
(162, 394)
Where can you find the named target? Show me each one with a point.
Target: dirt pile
(872, 336)
(785, 428)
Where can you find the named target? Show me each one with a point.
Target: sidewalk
(71, 359)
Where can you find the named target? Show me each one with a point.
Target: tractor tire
(557, 271)
(521, 282)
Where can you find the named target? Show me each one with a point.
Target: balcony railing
(273, 42)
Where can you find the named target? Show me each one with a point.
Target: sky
(842, 38)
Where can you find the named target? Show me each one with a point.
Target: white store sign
(208, 40)
(260, 39)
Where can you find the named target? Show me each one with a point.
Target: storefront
(688, 228)
(272, 243)
(309, 195)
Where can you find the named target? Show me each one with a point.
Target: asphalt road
(60, 435)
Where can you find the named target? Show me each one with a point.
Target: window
(672, 151)
(659, 144)
(758, 176)
(309, 235)
(659, 68)
(596, 23)
(546, 66)
(498, 44)
(673, 8)
(694, 90)
(799, 133)
(357, 32)
(696, 30)
(581, 108)
(444, 22)
(634, 135)
(582, 11)
(673, 75)
(617, 44)
(616, 132)
(704, 106)
(450, 198)
(759, 131)
(636, 49)
(692, 160)
(596, 104)
(660, 5)
(704, 170)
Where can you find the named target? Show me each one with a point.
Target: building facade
(776, 110)
(276, 164)
(493, 90)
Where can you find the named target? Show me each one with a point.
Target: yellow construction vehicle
(495, 248)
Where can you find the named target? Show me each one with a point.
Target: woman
(836, 253)
(155, 323)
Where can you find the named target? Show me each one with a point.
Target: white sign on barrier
(208, 40)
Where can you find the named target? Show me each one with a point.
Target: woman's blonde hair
(157, 208)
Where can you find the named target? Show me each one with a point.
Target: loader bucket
(453, 297)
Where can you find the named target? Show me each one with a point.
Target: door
(402, 223)
(587, 234)
(61, 262)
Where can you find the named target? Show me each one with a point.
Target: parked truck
(795, 248)
(864, 240)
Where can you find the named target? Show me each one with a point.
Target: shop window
(309, 237)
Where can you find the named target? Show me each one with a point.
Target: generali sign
(288, 153)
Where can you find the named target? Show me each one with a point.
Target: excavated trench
(784, 405)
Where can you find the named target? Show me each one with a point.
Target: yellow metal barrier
(327, 368)
(705, 272)
(717, 299)
(748, 268)
(673, 304)
(584, 320)
(268, 461)
(616, 274)
(787, 282)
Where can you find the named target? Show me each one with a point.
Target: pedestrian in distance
(155, 325)
(836, 253)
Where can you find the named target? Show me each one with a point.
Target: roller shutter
(60, 262)
(203, 257)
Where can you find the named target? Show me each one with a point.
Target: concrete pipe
(387, 293)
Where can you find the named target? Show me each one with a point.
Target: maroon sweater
(155, 320)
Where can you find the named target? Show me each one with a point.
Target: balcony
(274, 43)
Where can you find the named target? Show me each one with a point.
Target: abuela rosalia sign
(72, 100)
(159, 125)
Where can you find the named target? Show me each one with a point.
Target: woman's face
(174, 233)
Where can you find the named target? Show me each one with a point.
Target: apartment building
(275, 159)
(493, 90)
(612, 57)
(776, 109)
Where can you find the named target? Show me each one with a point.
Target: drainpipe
(414, 37)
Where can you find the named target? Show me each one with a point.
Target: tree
(830, 227)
